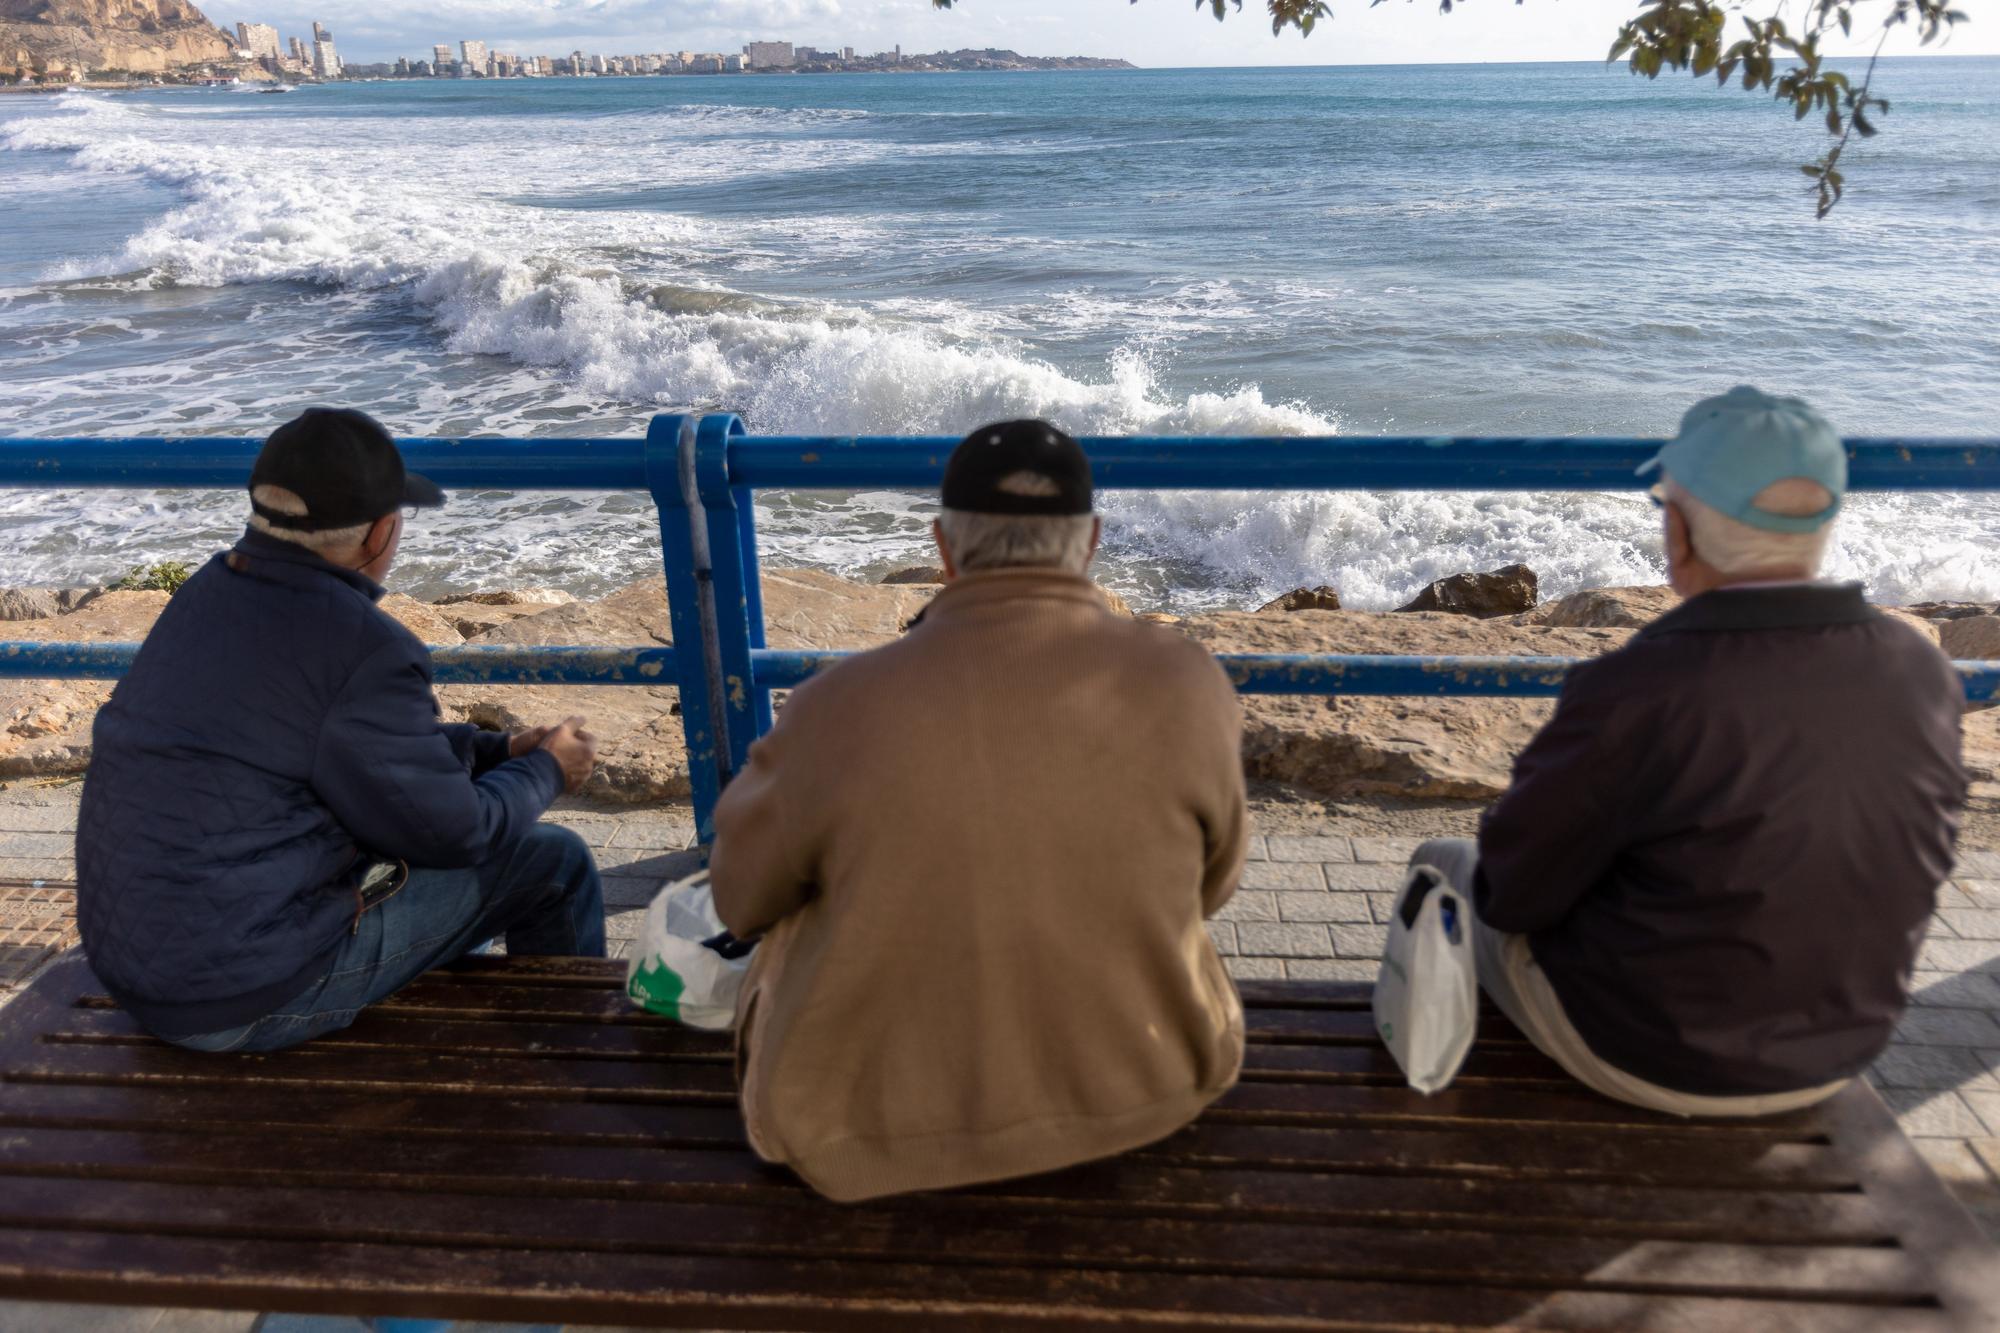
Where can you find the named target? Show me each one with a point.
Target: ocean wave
(530, 285)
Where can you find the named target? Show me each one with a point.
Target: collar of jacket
(990, 587)
(1793, 606)
(256, 548)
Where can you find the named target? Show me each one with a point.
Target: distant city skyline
(1153, 32)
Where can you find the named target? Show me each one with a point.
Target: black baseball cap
(984, 473)
(343, 465)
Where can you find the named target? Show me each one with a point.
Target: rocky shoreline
(1404, 749)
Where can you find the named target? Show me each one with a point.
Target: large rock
(530, 598)
(914, 574)
(475, 620)
(28, 603)
(1970, 638)
(1420, 748)
(422, 619)
(1321, 598)
(45, 724)
(1606, 608)
(1506, 591)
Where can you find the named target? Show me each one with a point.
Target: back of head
(1759, 480)
(1017, 494)
(324, 477)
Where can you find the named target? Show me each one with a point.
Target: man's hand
(575, 749)
(527, 742)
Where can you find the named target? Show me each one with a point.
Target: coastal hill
(991, 58)
(82, 36)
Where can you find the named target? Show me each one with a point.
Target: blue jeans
(543, 895)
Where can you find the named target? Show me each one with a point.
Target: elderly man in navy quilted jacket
(277, 830)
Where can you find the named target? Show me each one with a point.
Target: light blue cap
(1731, 447)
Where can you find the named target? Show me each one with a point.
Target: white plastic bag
(1427, 993)
(684, 964)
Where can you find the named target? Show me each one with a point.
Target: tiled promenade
(1313, 906)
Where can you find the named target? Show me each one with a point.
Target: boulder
(1321, 598)
(1159, 618)
(45, 724)
(475, 619)
(1929, 629)
(1970, 638)
(1605, 608)
(1506, 591)
(914, 574)
(1116, 604)
(1951, 610)
(521, 597)
(28, 603)
(1415, 747)
(421, 619)
(75, 599)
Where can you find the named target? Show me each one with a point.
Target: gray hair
(288, 502)
(1016, 541)
(1737, 549)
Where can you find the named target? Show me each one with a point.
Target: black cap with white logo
(342, 465)
(1018, 467)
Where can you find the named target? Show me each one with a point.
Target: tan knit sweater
(983, 855)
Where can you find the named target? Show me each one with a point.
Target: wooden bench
(509, 1140)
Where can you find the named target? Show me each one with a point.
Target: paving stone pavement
(1315, 907)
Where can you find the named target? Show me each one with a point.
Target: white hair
(1016, 541)
(288, 502)
(1736, 549)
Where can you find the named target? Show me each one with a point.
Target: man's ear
(1096, 534)
(1678, 547)
(944, 551)
(380, 533)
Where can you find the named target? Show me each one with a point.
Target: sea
(1491, 249)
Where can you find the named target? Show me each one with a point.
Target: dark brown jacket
(1724, 846)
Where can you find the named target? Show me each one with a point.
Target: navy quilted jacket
(276, 734)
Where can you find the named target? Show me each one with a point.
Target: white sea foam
(559, 315)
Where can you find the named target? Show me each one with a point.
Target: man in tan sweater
(980, 858)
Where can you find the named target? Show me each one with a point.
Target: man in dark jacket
(276, 830)
(1706, 887)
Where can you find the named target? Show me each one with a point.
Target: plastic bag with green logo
(684, 964)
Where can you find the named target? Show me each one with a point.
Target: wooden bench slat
(981, 1233)
(1122, 1186)
(370, 1057)
(719, 1292)
(1594, 1156)
(1247, 1103)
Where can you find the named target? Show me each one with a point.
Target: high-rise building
(325, 60)
(576, 63)
(766, 55)
(597, 65)
(441, 61)
(320, 34)
(259, 39)
(299, 52)
(473, 55)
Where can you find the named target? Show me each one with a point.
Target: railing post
(684, 557)
(739, 603)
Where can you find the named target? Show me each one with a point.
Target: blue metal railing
(702, 470)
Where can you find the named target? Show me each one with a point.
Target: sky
(1154, 33)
